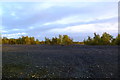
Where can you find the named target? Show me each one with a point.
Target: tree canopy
(104, 39)
(21, 40)
(61, 40)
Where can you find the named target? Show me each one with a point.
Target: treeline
(21, 40)
(105, 39)
(61, 40)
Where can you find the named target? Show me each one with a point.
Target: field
(56, 61)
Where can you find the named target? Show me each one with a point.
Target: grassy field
(55, 61)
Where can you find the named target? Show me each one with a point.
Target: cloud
(31, 27)
(67, 20)
(43, 5)
(48, 18)
(3, 31)
(59, 1)
(13, 14)
(84, 0)
(13, 35)
(79, 19)
(89, 28)
(15, 29)
(38, 13)
(0, 11)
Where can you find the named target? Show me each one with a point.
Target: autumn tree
(47, 41)
(96, 39)
(66, 40)
(37, 41)
(106, 39)
(5, 40)
(61, 40)
(54, 40)
(20, 40)
(89, 41)
(32, 40)
(116, 41)
(27, 40)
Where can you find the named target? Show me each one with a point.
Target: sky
(49, 19)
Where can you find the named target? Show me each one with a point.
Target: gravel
(56, 61)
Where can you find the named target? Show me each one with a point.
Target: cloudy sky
(49, 19)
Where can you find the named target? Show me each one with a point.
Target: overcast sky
(49, 19)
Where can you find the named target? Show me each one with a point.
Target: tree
(12, 41)
(60, 39)
(54, 40)
(66, 40)
(0, 40)
(5, 40)
(32, 40)
(20, 40)
(47, 41)
(89, 41)
(23, 40)
(106, 39)
(37, 41)
(96, 39)
(27, 40)
(116, 41)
